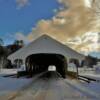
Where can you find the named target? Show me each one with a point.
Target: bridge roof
(45, 44)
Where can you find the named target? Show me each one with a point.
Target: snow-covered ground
(94, 87)
(11, 84)
(8, 84)
(54, 88)
(7, 71)
(89, 72)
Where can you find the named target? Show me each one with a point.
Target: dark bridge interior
(37, 63)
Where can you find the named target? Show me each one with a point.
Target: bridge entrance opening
(51, 68)
(37, 63)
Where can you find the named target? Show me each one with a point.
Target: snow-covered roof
(45, 44)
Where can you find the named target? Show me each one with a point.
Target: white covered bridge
(45, 51)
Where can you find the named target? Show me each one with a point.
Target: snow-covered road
(50, 87)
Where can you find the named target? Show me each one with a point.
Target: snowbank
(90, 72)
(7, 71)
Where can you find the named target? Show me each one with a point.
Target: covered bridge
(45, 51)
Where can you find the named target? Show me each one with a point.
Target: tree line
(5, 51)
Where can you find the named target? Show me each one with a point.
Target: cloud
(21, 36)
(26, 38)
(22, 3)
(75, 20)
(88, 3)
(89, 42)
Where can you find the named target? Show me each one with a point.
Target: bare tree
(2, 53)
